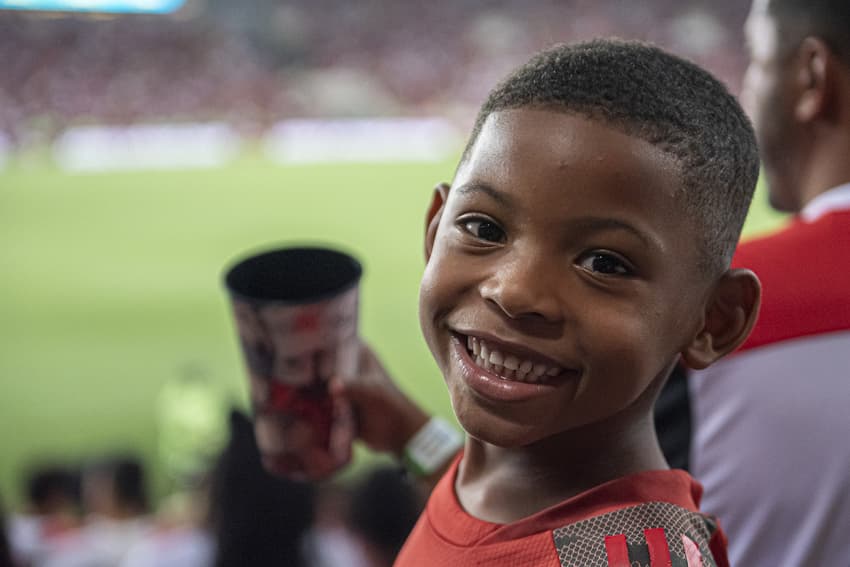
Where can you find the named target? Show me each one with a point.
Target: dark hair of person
(384, 508)
(667, 101)
(129, 475)
(256, 519)
(51, 486)
(828, 20)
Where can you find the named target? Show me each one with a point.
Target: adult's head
(797, 91)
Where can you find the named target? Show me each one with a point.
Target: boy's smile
(500, 370)
(562, 280)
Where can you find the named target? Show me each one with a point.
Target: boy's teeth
(508, 367)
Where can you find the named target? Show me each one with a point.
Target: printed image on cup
(295, 311)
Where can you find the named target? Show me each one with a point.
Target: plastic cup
(296, 312)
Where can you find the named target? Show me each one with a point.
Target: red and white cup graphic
(296, 312)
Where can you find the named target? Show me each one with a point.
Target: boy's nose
(522, 290)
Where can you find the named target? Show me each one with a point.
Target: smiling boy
(580, 253)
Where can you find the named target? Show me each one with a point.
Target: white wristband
(432, 446)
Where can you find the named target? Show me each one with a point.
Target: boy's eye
(484, 229)
(606, 264)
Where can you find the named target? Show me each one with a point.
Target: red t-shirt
(649, 519)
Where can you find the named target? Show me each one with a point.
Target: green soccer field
(110, 290)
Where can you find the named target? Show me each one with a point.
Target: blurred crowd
(64, 71)
(253, 63)
(100, 515)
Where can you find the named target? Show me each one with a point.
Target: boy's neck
(503, 485)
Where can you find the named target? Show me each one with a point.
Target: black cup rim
(251, 258)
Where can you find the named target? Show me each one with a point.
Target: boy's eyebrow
(590, 224)
(477, 187)
(597, 224)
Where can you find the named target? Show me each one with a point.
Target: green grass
(110, 287)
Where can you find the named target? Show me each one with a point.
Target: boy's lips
(505, 372)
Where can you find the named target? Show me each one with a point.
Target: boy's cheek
(626, 345)
(428, 299)
(427, 287)
(442, 271)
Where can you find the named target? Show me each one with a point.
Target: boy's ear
(813, 79)
(729, 317)
(435, 211)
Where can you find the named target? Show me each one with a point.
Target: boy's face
(560, 251)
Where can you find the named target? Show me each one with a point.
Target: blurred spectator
(330, 542)
(116, 507)
(384, 508)
(53, 491)
(256, 519)
(366, 523)
(51, 513)
(115, 488)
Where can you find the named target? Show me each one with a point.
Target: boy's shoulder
(652, 533)
(648, 518)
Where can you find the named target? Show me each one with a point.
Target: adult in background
(770, 423)
(51, 513)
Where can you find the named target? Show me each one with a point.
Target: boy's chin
(497, 432)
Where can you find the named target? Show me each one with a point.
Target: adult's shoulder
(804, 269)
(797, 241)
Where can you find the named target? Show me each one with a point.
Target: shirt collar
(836, 199)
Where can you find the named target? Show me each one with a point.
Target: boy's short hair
(655, 96)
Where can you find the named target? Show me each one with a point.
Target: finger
(337, 386)
(363, 364)
(368, 361)
(356, 392)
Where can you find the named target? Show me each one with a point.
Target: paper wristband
(432, 446)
